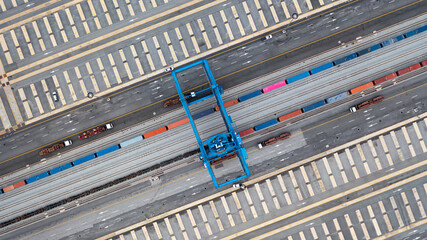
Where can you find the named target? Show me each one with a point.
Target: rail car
(252, 95)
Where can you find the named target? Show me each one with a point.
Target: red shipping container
(415, 66)
(424, 63)
(19, 184)
(403, 71)
(386, 78)
(178, 123)
(155, 132)
(8, 188)
(361, 87)
(246, 132)
(290, 115)
(228, 104)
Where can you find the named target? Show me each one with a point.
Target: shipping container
(178, 123)
(246, 132)
(313, 106)
(155, 132)
(415, 66)
(250, 95)
(400, 37)
(266, 124)
(203, 113)
(321, 68)
(362, 52)
(31, 179)
(131, 141)
(422, 29)
(42, 175)
(361, 87)
(8, 188)
(351, 56)
(108, 150)
(424, 63)
(19, 184)
(274, 86)
(66, 166)
(386, 78)
(339, 61)
(297, 77)
(403, 71)
(84, 159)
(387, 42)
(227, 104)
(337, 97)
(55, 170)
(290, 115)
(411, 33)
(375, 47)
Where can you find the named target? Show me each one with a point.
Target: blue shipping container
(411, 33)
(66, 166)
(351, 56)
(400, 38)
(83, 159)
(266, 124)
(31, 179)
(107, 150)
(321, 68)
(422, 29)
(339, 61)
(55, 170)
(131, 141)
(375, 47)
(314, 106)
(297, 77)
(363, 52)
(337, 97)
(250, 95)
(204, 113)
(42, 175)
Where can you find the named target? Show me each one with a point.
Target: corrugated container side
(178, 123)
(361, 87)
(43, 175)
(387, 42)
(391, 76)
(204, 113)
(351, 56)
(155, 132)
(386, 78)
(8, 188)
(411, 33)
(250, 95)
(422, 29)
(246, 132)
(314, 106)
(55, 170)
(227, 104)
(131, 141)
(84, 159)
(363, 52)
(339, 61)
(322, 68)
(403, 71)
(31, 179)
(298, 77)
(375, 47)
(424, 63)
(266, 124)
(108, 150)
(337, 97)
(274, 86)
(400, 37)
(66, 166)
(415, 66)
(290, 115)
(19, 184)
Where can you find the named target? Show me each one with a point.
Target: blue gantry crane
(219, 145)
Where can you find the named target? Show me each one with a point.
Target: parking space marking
(385, 216)
(408, 141)
(130, 8)
(227, 211)
(340, 167)
(61, 96)
(153, 2)
(73, 94)
(261, 198)
(156, 228)
(7, 55)
(126, 64)
(329, 171)
(362, 224)
(396, 212)
(363, 158)
(307, 181)
(407, 207)
(239, 23)
(4, 117)
(33, 89)
(385, 148)
(318, 177)
(27, 39)
(284, 190)
(215, 28)
(3, 6)
(168, 226)
(314, 233)
(142, 6)
(396, 144)
(374, 220)
(133, 234)
(420, 137)
(215, 212)
(15, 41)
(263, 20)
(49, 99)
(239, 207)
(248, 14)
(297, 7)
(181, 226)
(419, 203)
(146, 235)
(374, 154)
(250, 202)
(272, 193)
(338, 229)
(193, 223)
(325, 230)
(273, 12)
(227, 25)
(310, 7)
(285, 9)
(204, 34)
(205, 220)
(22, 94)
(116, 72)
(39, 105)
(350, 226)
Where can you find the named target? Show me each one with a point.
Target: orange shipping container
(424, 63)
(361, 88)
(178, 123)
(8, 188)
(19, 184)
(228, 104)
(403, 71)
(155, 132)
(290, 115)
(246, 132)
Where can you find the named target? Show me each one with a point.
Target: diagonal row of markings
(293, 188)
(9, 4)
(143, 55)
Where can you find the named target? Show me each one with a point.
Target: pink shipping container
(19, 184)
(274, 86)
(8, 188)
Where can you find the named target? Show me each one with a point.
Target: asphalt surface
(321, 132)
(101, 111)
